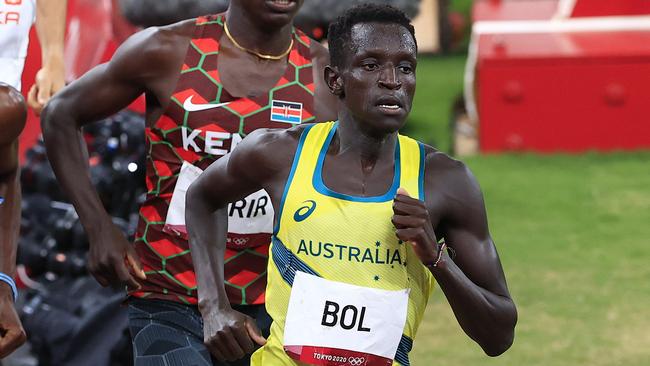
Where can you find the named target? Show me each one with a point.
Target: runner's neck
(352, 138)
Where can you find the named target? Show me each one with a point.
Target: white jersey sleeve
(16, 18)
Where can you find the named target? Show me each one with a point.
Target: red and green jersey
(202, 123)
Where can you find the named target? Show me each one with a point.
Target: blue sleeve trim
(421, 175)
(296, 158)
(10, 281)
(288, 263)
(402, 355)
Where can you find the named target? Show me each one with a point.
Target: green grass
(572, 232)
(461, 6)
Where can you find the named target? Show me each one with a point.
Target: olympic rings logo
(357, 361)
(240, 241)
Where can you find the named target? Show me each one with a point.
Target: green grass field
(572, 232)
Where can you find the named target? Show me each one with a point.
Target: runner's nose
(388, 79)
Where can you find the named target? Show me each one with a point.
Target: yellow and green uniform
(342, 238)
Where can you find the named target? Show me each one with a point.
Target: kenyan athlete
(208, 82)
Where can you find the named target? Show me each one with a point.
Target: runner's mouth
(281, 5)
(389, 105)
(390, 109)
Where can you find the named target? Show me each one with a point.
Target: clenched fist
(412, 224)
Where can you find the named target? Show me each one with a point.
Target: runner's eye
(370, 66)
(406, 69)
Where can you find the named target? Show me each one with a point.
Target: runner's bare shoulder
(450, 178)
(269, 151)
(153, 51)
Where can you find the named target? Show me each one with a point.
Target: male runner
(208, 82)
(360, 210)
(16, 18)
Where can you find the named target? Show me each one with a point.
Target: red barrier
(595, 8)
(564, 92)
(513, 10)
(570, 85)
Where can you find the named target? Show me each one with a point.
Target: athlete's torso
(342, 238)
(16, 18)
(202, 123)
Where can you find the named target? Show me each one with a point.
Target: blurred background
(546, 101)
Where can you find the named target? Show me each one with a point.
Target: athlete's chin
(387, 126)
(276, 20)
(389, 123)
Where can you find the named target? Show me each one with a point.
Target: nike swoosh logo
(191, 107)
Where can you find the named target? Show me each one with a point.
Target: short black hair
(340, 31)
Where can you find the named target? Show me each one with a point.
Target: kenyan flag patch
(287, 112)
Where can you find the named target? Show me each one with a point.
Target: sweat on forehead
(340, 31)
(379, 35)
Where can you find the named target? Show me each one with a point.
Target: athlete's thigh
(166, 334)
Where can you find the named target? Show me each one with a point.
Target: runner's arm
(10, 197)
(50, 28)
(12, 120)
(12, 334)
(101, 92)
(473, 281)
(228, 334)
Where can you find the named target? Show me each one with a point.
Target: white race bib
(333, 323)
(175, 221)
(251, 215)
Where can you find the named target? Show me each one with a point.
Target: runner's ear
(333, 80)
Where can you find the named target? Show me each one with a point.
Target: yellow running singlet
(342, 238)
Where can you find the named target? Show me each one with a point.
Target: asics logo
(191, 107)
(303, 212)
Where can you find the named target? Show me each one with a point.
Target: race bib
(175, 221)
(250, 220)
(332, 323)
